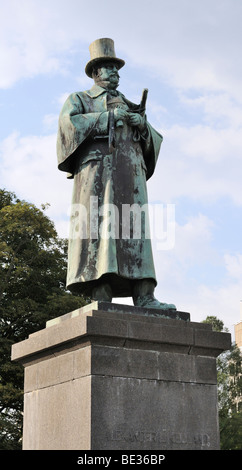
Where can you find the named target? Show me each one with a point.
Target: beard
(110, 82)
(114, 79)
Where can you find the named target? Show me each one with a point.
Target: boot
(102, 292)
(143, 296)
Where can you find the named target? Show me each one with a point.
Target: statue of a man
(107, 145)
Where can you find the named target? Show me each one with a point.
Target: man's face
(108, 73)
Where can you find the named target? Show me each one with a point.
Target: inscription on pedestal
(164, 437)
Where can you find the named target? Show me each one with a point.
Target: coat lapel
(97, 92)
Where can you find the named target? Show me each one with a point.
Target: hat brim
(88, 69)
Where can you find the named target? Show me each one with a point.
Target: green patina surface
(108, 147)
(115, 178)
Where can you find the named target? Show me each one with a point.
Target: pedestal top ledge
(122, 326)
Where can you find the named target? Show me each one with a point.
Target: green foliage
(217, 325)
(231, 432)
(33, 264)
(229, 377)
(230, 398)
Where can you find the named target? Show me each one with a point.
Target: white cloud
(217, 109)
(35, 37)
(192, 45)
(200, 162)
(29, 168)
(234, 266)
(189, 44)
(50, 122)
(223, 302)
(192, 248)
(219, 296)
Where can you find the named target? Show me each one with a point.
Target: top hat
(102, 50)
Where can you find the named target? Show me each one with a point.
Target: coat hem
(121, 286)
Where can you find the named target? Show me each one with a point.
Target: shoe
(102, 293)
(149, 301)
(143, 296)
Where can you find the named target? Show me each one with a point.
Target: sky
(188, 54)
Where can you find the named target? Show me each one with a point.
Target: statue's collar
(95, 91)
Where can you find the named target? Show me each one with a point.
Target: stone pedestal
(110, 377)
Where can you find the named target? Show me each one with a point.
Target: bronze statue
(107, 145)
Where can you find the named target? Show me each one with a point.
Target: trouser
(142, 288)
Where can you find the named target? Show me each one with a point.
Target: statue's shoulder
(72, 102)
(74, 98)
(94, 92)
(77, 95)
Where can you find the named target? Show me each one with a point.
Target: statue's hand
(120, 114)
(137, 120)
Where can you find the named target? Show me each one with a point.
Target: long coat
(103, 241)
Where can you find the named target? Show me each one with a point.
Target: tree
(229, 376)
(217, 325)
(230, 398)
(33, 264)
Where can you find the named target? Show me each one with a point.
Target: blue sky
(188, 54)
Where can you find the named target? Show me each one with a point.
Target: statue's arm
(86, 122)
(75, 126)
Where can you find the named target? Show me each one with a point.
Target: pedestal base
(120, 379)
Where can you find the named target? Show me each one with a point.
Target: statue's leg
(102, 292)
(143, 296)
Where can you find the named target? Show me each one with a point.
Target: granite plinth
(119, 308)
(105, 377)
